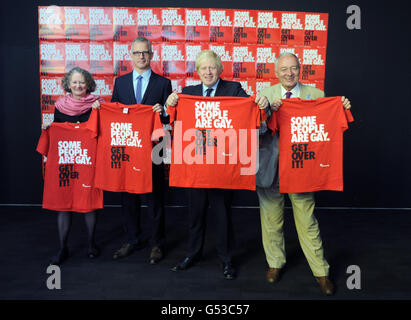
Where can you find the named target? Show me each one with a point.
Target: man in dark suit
(209, 68)
(143, 86)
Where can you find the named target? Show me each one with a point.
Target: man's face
(288, 72)
(208, 72)
(141, 56)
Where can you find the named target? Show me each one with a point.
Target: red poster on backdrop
(248, 85)
(192, 50)
(121, 58)
(315, 29)
(155, 64)
(316, 84)
(225, 51)
(178, 84)
(260, 85)
(197, 25)
(104, 87)
(268, 27)
(244, 26)
(173, 24)
(244, 59)
(52, 58)
(172, 59)
(76, 23)
(124, 24)
(51, 23)
(101, 24)
(101, 58)
(149, 23)
(292, 28)
(51, 90)
(265, 63)
(191, 82)
(221, 25)
(313, 64)
(77, 55)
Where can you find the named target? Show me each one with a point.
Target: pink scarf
(73, 107)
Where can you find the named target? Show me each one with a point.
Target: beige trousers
(272, 220)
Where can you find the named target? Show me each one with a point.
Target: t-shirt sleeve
(43, 144)
(273, 122)
(92, 123)
(172, 112)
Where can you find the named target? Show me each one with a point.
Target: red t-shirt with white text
(69, 171)
(124, 146)
(310, 143)
(214, 142)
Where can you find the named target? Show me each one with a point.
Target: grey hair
(142, 39)
(91, 84)
(290, 54)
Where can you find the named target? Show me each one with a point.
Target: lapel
(304, 92)
(277, 91)
(220, 88)
(199, 90)
(129, 88)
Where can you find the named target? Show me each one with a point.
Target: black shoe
(93, 253)
(228, 271)
(60, 257)
(185, 264)
(126, 250)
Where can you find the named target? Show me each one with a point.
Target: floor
(378, 242)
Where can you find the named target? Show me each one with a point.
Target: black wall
(371, 66)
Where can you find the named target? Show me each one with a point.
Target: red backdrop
(248, 42)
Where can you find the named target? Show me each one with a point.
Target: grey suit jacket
(267, 176)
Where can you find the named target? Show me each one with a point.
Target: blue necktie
(209, 90)
(288, 94)
(138, 89)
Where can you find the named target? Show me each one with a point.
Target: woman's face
(78, 85)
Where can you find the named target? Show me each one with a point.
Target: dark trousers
(131, 211)
(220, 204)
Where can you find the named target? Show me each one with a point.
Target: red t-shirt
(69, 171)
(214, 142)
(310, 143)
(124, 146)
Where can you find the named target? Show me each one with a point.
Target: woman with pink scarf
(76, 106)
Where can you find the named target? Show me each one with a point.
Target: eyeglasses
(143, 53)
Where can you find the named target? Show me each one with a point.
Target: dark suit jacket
(224, 88)
(158, 90)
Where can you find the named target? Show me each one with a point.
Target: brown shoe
(273, 274)
(326, 285)
(156, 255)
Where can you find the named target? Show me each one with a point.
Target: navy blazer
(224, 88)
(158, 90)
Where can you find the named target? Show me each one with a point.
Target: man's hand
(96, 105)
(346, 103)
(275, 105)
(157, 108)
(262, 101)
(172, 100)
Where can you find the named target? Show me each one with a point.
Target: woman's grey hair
(91, 84)
(142, 39)
(286, 54)
(208, 54)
